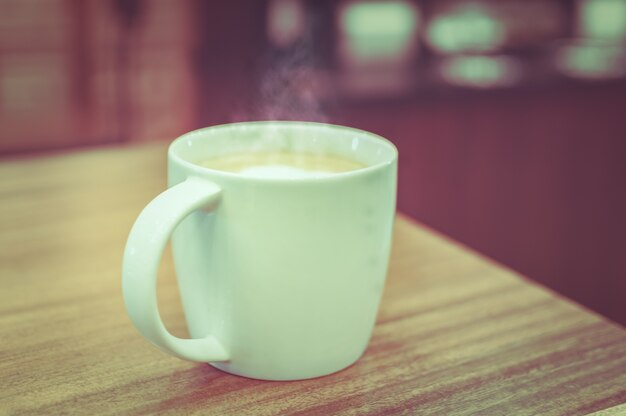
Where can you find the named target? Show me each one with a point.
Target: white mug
(280, 278)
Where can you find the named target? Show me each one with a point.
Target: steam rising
(291, 88)
(291, 84)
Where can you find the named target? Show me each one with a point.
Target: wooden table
(456, 333)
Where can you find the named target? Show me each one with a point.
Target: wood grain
(456, 333)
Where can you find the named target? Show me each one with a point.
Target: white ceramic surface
(280, 279)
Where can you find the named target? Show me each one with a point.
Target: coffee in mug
(281, 233)
(288, 164)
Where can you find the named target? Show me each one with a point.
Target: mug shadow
(208, 390)
(202, 388)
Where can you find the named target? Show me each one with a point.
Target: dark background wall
(534, 179)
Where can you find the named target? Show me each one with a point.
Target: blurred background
(510, 115)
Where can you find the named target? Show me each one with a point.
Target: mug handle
(142, 257)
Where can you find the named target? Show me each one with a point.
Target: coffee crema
(283, 164)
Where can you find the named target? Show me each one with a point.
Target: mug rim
(188, 138)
